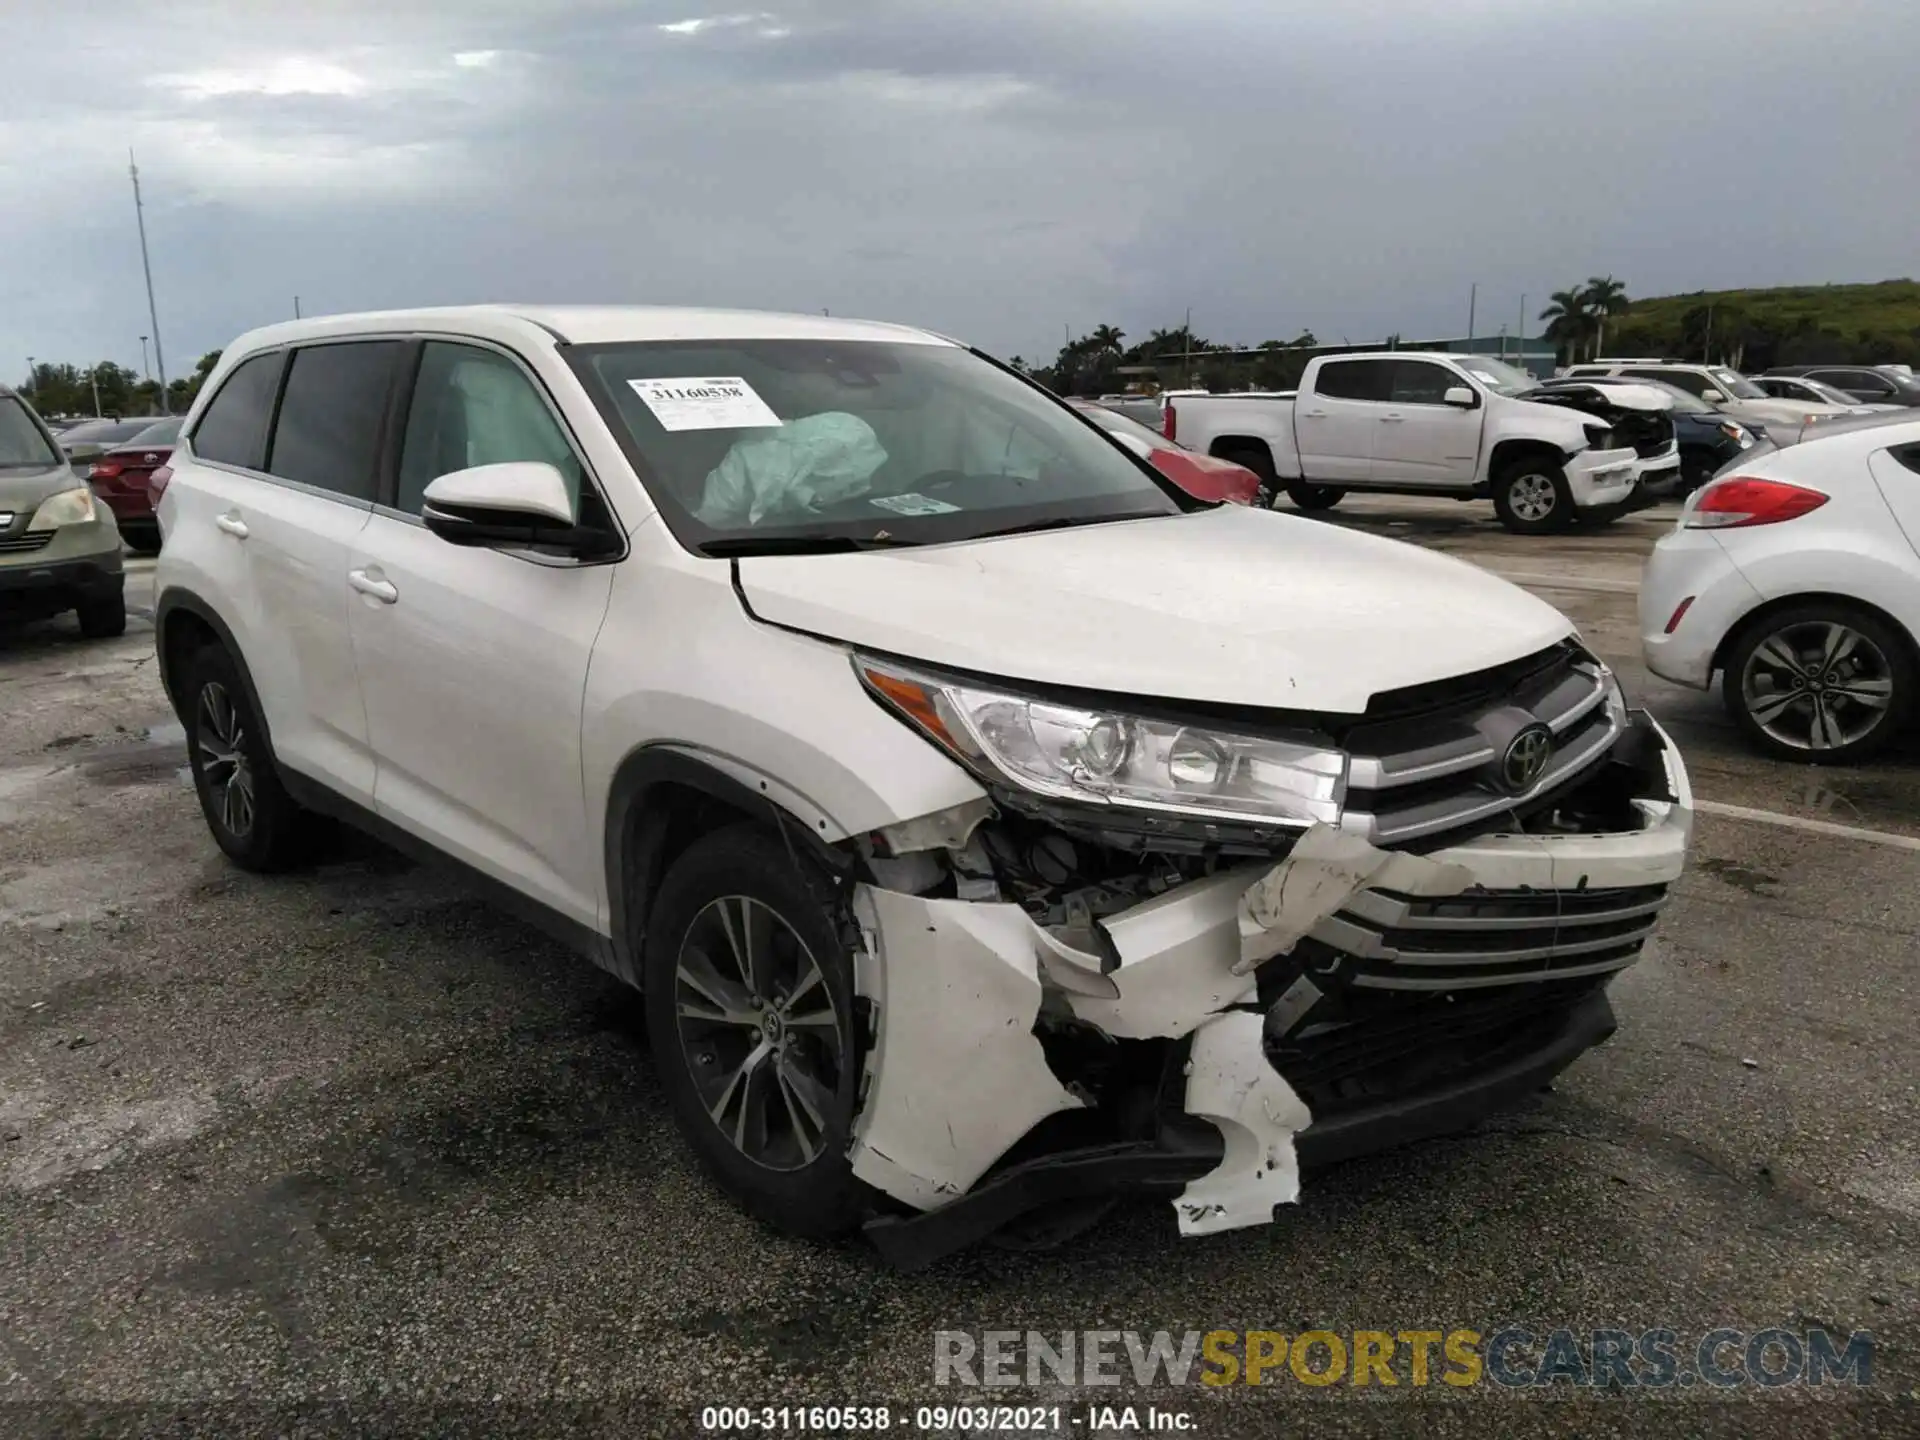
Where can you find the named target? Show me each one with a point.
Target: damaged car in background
(875, 716)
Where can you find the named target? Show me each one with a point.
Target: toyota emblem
(1526, 759)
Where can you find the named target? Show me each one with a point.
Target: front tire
(750, 1015)
(251, 815)
(1820, 683)
(102, 617)
(1531, 498)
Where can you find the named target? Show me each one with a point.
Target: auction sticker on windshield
(725, 403)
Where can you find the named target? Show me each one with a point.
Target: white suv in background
(873, 712)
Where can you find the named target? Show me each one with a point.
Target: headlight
(1616, 701)
(69, 507)
(1599, 437)
(1736, 434)
(1101, 757)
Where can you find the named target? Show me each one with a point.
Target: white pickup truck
(1417, 423)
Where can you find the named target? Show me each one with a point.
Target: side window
(1353, 380)
(233, 431)
(328, 433)
(476, 407)
(1857, 382)
(1681, 379)
(1909, 456)
(1421, 382)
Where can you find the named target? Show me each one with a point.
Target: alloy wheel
(1532, 497)
(758, 1030)
(1817, 685)
(220, 743)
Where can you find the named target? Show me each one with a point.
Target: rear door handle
(382, 590)
(1392, 419)
(232, 525)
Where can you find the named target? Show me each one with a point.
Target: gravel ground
(352, 1142)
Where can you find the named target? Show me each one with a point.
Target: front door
(1423, 441)
(473, 661)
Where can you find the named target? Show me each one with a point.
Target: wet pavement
(348, 1138)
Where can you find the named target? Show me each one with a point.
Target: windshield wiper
(1061, 524)
(734, 545)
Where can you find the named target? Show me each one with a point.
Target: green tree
(1569, 323)
(1603, 298)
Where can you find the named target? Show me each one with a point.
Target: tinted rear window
(234, 429)
(328, 433)
(1354, 379)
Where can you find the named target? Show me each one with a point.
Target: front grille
(24, 544)
(1435, 765)
(1486, 938)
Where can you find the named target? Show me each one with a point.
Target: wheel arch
(1510, 452)
(184, 622)
(661, 800)
(1778, 603)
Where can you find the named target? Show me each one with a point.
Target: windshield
(1498, 376)
(22, 442)
(1827, 393)
(1736, 384)
(164, 432)
(1115, 424)
(743, 442)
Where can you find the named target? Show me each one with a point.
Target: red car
(1205, 477)
(119, 477)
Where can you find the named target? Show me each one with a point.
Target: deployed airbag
(815, 461)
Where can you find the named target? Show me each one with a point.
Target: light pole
(33, 387)
(153, 314)
(145, 373)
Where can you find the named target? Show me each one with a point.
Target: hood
(21, 491)
(1236, 606)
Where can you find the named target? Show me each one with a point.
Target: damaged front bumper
(1205, 1043)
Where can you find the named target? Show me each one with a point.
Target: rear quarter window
(233, 431)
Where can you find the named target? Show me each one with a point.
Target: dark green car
(59, 546)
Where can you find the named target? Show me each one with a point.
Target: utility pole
(93, 379)
(1473, 305)
(153, 313)
(145, 372)
(33, 382)
(1522, 337)
(296, 308)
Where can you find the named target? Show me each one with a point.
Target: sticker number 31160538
(705, 403)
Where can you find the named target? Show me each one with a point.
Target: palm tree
(1604, 297)
(1569, 323)
(1106, 340)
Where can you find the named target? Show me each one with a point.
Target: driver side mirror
(1713, 397)
(1461, 396)
(516, 504)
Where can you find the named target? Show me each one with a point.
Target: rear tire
(750, 1015)
(102, 617)
(1820, 683)
(1314, 498)
(1531, 498)
(251, 815)
(1259, 460)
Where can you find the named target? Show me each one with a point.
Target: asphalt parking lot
(348, 1137)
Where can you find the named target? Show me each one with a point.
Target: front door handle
(1392, 419)
(367, 584)
(232, 525)
(1316, 414)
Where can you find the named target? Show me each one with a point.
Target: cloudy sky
(996, 169)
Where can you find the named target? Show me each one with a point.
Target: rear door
(1863, 385)
(1335, 423)
(474, 661)
(297, 525)
(1422, 440)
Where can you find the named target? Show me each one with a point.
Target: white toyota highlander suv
(993, 829)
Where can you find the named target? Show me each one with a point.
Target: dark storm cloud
(997, 169)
